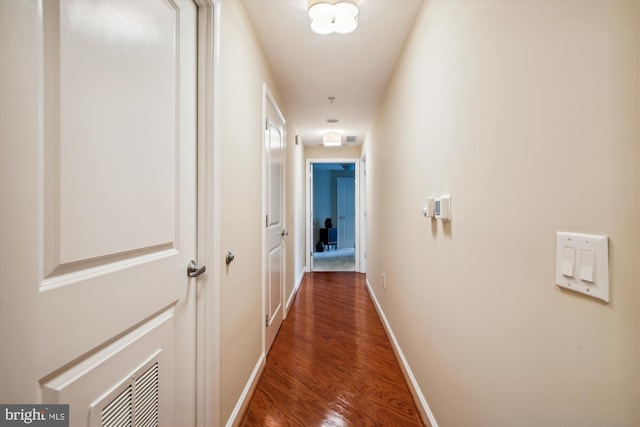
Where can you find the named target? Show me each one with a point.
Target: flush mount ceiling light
(333, 16)
(331, 139)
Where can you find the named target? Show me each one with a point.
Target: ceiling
(309, 68)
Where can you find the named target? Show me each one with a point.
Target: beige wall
(243, 70)
(296, 193)
(344, 152)
(526, 112)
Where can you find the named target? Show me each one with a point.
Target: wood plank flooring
(331, 363)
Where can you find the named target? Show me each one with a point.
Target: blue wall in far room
(325, 192)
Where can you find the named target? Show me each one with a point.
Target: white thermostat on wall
(442, 207)
(427, 207)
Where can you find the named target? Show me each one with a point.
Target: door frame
(267, 98)
(309, 207)
(362, 214)
(209, 207)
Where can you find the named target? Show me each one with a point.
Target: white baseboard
(249, 388)
(423, 406)
(247, 393)
(296, 286)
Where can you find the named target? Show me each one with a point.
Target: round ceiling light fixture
(331, 139)
(333, 16)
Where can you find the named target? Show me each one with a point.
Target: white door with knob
(98, 191)
(275, 224)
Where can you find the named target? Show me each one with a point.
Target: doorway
(332, 205)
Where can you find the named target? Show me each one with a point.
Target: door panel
(98, 109)
(275, 281)
(114, 209)
(346, 213)
(275, 225)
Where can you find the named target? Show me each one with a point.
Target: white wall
(527, 113)
(296, 212)
(343, 152)
(243, 70)
(242, 74)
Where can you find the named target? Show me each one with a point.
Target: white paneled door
(346, 213)
(274, 177)
(98, 190)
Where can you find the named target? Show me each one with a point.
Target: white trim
(403, 361)
(309, 216)
(269, 97)
(263, 234)
(247, 392)
(294, 291)
(363, 212)
(209, 208)
(308, 223)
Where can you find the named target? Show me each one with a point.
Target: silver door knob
(229, 257)
(284, 233)
(194, 270)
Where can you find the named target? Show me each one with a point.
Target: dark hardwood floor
(332, 363)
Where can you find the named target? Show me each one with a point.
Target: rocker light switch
(587, 263)
(568, 261)
(582, 264)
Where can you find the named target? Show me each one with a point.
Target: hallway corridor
(331, 363)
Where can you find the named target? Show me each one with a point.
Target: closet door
(98, 191)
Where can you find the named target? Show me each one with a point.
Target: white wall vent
(132, 403)
(119, 413)
(146, 398)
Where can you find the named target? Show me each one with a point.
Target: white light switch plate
(427, 208)
(597, 248)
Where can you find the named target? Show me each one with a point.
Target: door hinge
(266, 320)
(266, 221)
(266, 124)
